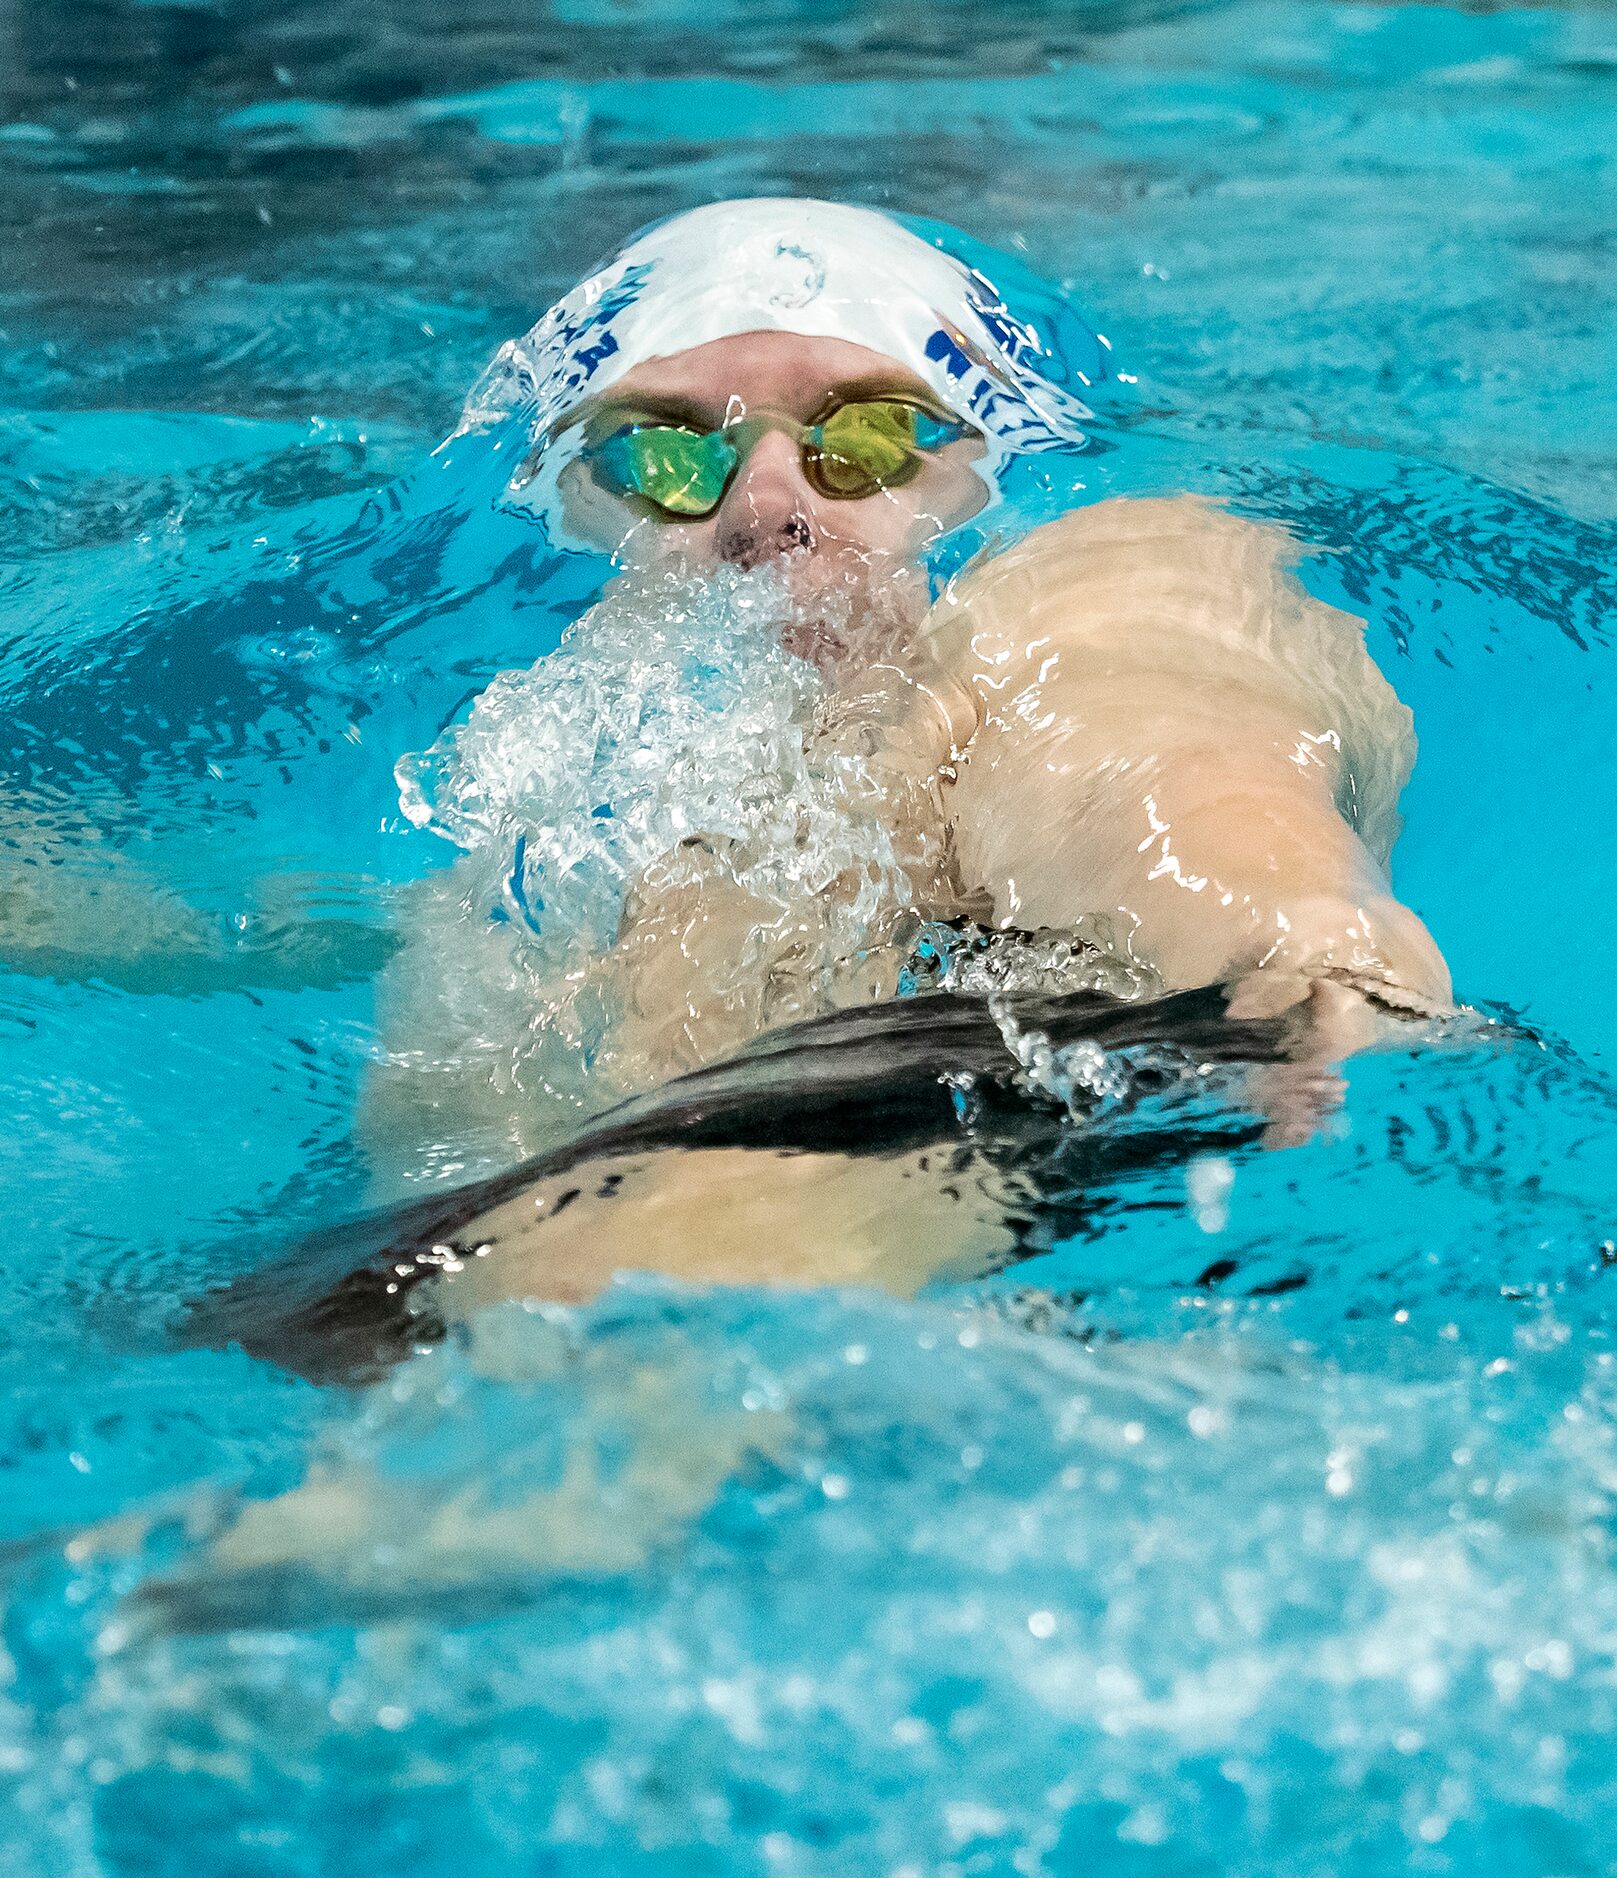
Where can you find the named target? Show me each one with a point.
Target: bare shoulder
(1137, 533)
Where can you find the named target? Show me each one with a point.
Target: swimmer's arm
(1154, 750)
(1205, 828)
(1237, 860)
(1195, 821)
(115, 927)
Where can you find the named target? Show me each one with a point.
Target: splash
(663, 851)
(1189, 1602)
(999, 966)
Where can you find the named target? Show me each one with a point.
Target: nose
(769, 508)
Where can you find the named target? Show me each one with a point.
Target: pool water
(1266, 1527)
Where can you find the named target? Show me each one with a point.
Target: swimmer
(1134, 725)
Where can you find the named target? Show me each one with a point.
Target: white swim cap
(820, 269)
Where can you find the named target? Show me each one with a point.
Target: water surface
(1305, 1567)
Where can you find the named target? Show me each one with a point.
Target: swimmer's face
(771, 508)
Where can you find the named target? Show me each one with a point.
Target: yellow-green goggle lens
(682, 471)
(868, 446)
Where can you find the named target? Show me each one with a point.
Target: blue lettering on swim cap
(943, 350)
(1002, 409)
(589, 357)
(584, 341)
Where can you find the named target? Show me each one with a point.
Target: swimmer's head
(779, 378)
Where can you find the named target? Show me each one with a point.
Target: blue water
(1087, 1567)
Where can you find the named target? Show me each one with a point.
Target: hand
(1327, 1022)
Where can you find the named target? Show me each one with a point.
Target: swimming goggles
(852, 450)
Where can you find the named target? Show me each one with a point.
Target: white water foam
(661, 855)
